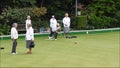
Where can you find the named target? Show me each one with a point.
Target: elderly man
(14, 37)
(66, 24)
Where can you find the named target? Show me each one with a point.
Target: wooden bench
(21, 28)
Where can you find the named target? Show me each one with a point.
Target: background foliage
(99, 13)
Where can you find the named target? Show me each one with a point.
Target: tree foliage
(100, 13)
(103, 13)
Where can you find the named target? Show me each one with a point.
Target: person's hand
(12, 39)
(31, 40)
(65, 24)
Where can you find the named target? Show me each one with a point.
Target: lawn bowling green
(87, 50)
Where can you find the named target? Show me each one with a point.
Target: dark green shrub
(81, 22)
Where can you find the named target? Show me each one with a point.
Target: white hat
(53, 16)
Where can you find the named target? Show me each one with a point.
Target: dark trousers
(51, 32)
(55, 34)
(14, 45)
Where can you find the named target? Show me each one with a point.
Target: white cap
(53, 16)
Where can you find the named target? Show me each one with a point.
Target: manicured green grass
(91, 50)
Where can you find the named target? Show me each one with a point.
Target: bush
(81, 22)
(99, 22)
(19, 15)
(4, 29)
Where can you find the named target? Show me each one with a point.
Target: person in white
(66, 24)
(53, 27)
(28, 21)
(14, 37)
(29, 38)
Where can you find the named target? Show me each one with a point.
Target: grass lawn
(91, 50)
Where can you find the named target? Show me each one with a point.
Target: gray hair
(28, 16)
(14, 24)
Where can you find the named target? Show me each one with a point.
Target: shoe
(29, 53)
(13, 53)
(49, 37)
(55, 39)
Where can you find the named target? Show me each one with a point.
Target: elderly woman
(29, 38)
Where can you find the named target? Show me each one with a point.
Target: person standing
(28, 21)
(66, 24)
(53, 27)
(14, 37)
(29, 38)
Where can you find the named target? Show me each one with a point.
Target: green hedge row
(79, 22)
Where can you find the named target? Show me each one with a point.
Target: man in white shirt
(66, 24)
(29, 38)
(14, 37)
(53, 27)
(28, 21)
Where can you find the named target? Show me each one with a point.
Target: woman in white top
(29, 38)
(28, 21)
(14, 37)
(53, 27)
(66, 24)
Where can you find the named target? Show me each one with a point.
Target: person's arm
(32, 34)
(50, 22)
(64, 22)
(68, 22)
(16, 33)
(26, 24)
(12, 34)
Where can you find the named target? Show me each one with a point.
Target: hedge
(81, 22)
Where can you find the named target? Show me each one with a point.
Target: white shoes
(14, 53)
(55, 39)
(49, 37)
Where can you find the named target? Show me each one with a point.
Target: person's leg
(50, 35)
(55, 35)
(67, 32)
(14, 46)
(30, 50)
(28, 46)
(64, 32)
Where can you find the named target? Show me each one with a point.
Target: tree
(103, 13)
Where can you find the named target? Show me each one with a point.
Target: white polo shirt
(27, 22)
(53, 24)
(66, 22)
(30, 34)
(14, 33)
